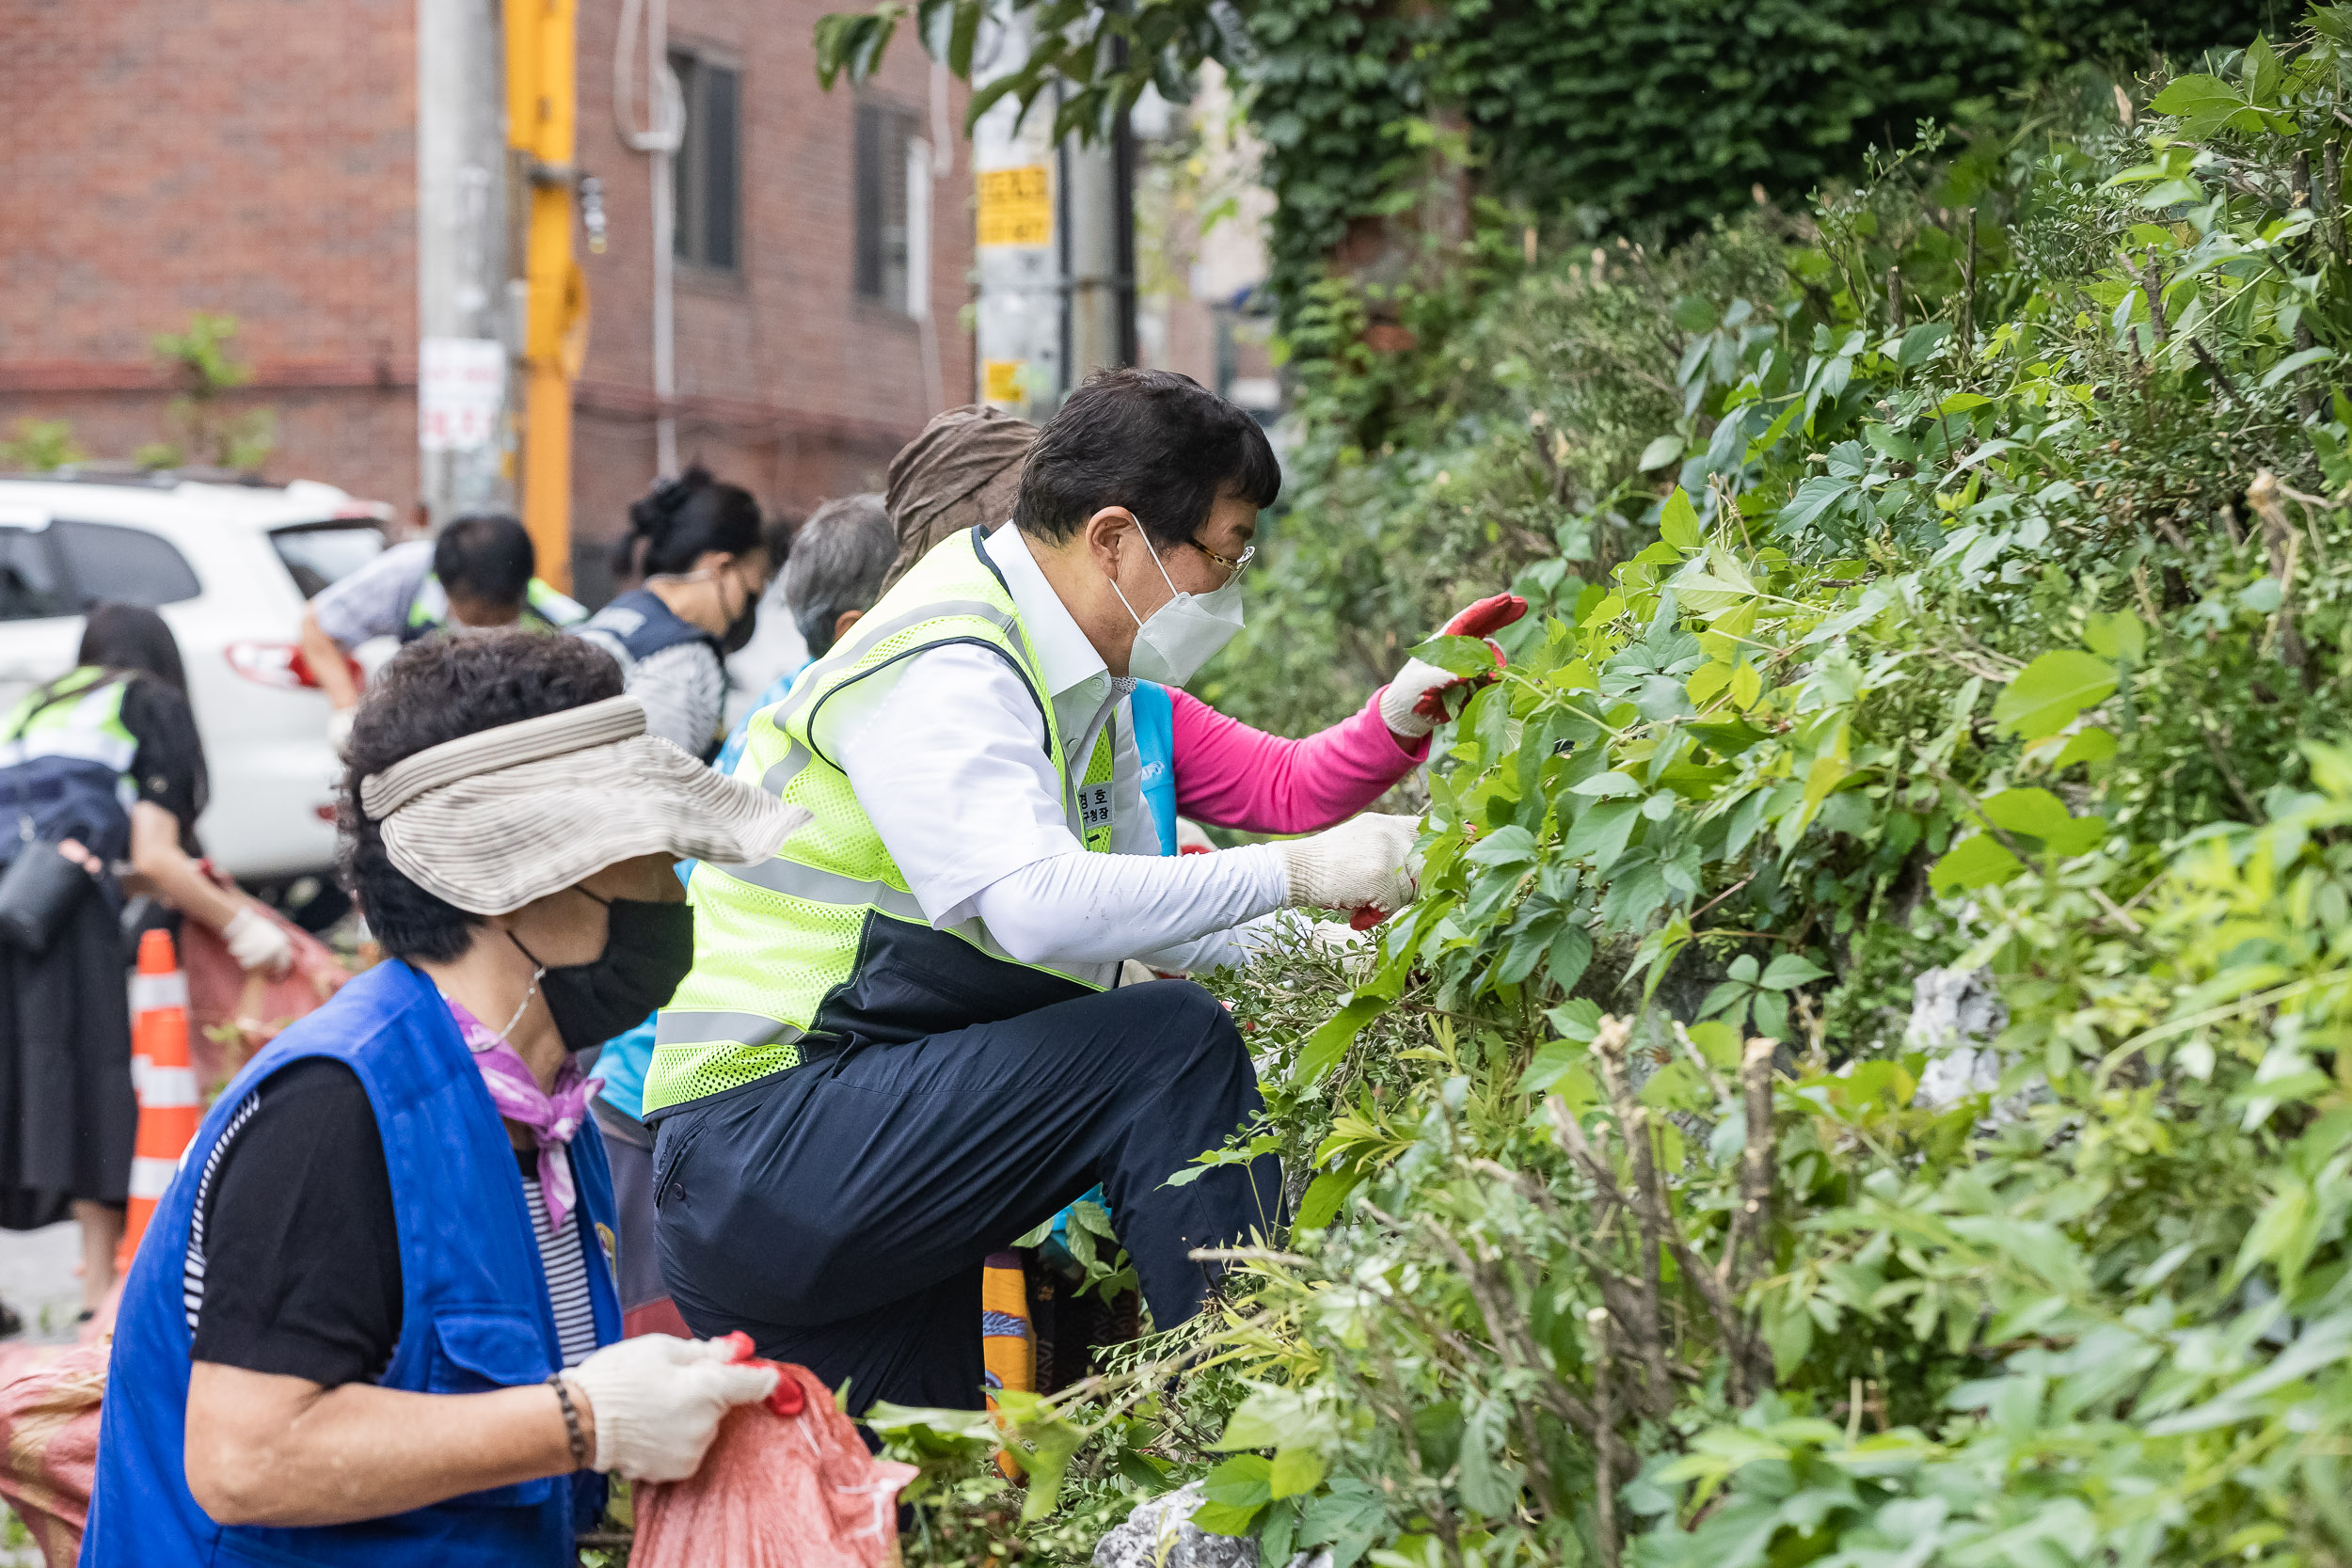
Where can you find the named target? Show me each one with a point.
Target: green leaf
(1226, 1518)
(1511, 846)
(2201, 102)
(1603, 785)
(1678, 522)
(1297, 1471)
(1320, 1203)
(2117, 636)
(2293, 363)
(1330, 1042)
(1457, 656)
(1789, 971)
(1600, 835)
(1571, 953)
(1244, 1480)
(2045, 695)
(2038, 814)
(1659, 453)
(1974, 862)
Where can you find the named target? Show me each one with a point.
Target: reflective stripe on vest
(802, 943)
(78, 717)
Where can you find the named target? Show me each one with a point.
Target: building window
(710, 163)
(882, 138)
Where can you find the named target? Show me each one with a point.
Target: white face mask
(1177, 639)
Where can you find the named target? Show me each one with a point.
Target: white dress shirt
(946, 752)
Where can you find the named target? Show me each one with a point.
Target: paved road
(37, 1278)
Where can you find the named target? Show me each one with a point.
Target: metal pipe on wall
(666, 106)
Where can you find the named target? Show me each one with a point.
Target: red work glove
(1413, 703)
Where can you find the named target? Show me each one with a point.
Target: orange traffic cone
(168, 1108)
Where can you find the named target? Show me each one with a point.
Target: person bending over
(898, 1046)
(476, 577)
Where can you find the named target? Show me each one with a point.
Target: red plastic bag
(49, 1397)
(786, 1484)
(220, 993)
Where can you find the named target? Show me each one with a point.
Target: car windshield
(318, 553)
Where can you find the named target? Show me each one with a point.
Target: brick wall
(251, 156)
(259, 157)
(789, 384)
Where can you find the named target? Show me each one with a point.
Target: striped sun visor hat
(493, 820)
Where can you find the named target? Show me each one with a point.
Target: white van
(229, 567)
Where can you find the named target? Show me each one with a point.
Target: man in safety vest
(477, 575)
(900, 1046)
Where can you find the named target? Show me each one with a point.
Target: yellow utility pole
(541, 121)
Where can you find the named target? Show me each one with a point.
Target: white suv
(229, 567)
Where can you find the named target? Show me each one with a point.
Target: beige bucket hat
(493, 820)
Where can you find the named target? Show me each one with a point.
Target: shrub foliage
(1958, 577)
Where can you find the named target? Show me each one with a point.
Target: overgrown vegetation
(1956, 577)
(198, 425)
(1379, 122)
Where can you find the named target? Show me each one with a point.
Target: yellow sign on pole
(1001, 380)
(1016, 206)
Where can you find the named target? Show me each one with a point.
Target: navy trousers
(838, 1212)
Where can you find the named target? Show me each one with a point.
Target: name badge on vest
(1094, 805)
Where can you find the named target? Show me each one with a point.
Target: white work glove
(339, 729)
(657, 1402)
(257, 941)
(1414, 702)
(1364, 862)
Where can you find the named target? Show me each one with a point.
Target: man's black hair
(435, 691)
(1159, 444)
(484, 556)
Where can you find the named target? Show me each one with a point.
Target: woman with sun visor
(381, 1287)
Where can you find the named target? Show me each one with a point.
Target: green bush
(2010, 638)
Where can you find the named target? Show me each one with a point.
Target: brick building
(259, 157)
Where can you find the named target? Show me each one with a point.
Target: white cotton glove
(1364, 862)
(1413, 703)
(339, 729)
(657, 1402)
(257, 941)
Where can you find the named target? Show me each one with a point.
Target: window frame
(881, 130)
(696, 241)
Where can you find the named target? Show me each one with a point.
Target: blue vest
(1155, 749)
(474, 1308)
(641, 625)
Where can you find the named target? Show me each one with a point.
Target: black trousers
(838, 1212)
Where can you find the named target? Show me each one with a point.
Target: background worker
(836, 558)
(698, 547)
(104, 762)
(897, 1048)
(476, 577)
(375, 1296)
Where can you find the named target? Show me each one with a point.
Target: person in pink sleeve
(1196, 762)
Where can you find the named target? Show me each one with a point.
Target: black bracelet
(571, 1420)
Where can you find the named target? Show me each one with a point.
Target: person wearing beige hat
(375, 1320)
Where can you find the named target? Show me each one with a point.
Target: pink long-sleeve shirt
(1233, 776)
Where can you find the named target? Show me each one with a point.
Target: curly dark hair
(436, 691)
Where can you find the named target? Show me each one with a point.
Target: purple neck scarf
(552, 1116)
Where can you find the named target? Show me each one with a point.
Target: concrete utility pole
(542, 125)
(1019, 329)
(1098, 255)
(461, 259)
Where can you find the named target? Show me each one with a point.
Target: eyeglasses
(1232, 568)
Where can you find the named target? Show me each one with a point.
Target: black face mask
(739, 633)
(647, 950)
